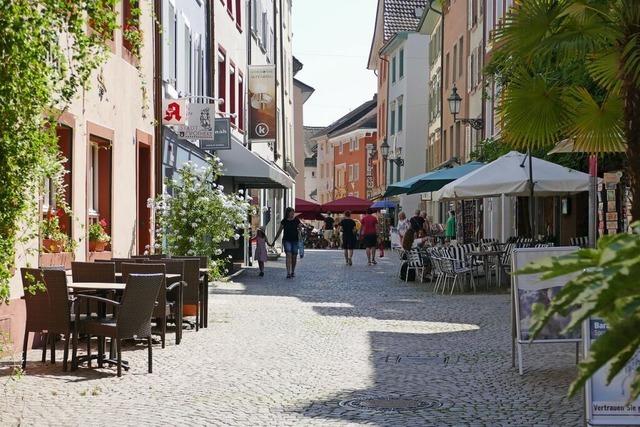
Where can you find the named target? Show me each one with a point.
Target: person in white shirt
(403, 225)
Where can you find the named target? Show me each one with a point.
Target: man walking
(370, 235)
(328, 229)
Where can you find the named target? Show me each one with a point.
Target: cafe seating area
(106, 302)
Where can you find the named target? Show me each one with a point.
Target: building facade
(301, 93)
(408, 106)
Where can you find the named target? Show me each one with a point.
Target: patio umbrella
(401, 187)
(311, 216)
(349, 203)
(435, 180)
(305, 206)
(511, 175)
(384, 204)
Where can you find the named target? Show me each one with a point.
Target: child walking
(261, 249)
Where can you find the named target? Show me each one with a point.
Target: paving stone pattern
(336, 345)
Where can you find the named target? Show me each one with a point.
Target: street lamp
(455, 101)
(384, 150)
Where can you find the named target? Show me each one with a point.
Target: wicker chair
(93, 272)
(163, 308)
(175, 293)
(192, 292)
(48, 310)
(119, 261)
(133, 315)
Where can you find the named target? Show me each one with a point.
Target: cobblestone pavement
(311, 351)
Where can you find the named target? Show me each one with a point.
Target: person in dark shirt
(290, 240)
(417, 222)
(328, 229)
(349, 239)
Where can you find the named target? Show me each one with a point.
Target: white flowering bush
(197, 217)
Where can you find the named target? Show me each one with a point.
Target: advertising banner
(609, 404)
(262, 103)
(174, 111)
(221, 139)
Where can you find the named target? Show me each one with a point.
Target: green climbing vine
(47, 54)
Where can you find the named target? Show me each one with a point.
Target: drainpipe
(282, 113)
(275, 60)
(157, 82)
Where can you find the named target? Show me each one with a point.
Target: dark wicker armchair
(174, 293)
(133, 315)
(93, 272)
(48, 311)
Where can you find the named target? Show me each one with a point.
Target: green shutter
(401, 63)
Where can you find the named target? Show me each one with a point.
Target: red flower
(49, 214)
(103, 222)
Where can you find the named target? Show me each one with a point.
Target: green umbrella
(434, 181)
(401, 187)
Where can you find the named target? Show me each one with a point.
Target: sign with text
(200, 124)
(262, 103)
(609, 404)
(221, 139)
(174, 111)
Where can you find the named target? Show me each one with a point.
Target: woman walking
(290, 240)
(349, 239)
(261, 249)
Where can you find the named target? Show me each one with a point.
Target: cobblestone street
(311, 351)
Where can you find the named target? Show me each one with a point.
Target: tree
(571, 69)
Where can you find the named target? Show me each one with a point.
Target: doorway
(144, 193)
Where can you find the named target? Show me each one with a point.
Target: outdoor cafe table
(485, 256)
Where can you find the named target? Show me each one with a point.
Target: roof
(297, 65)
(394, 16)
(402, 15)
(306, 90)
(368, 121)
(349, 118)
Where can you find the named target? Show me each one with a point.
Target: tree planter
(97, 246)
(52, 245)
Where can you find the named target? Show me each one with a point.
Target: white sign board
(174, 111)
(609, 404)
(200, 124)
(529, 289)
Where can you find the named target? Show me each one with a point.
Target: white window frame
(93, 175)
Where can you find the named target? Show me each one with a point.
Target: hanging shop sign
(609, 404)
(262, 103)
(200, 122)
(528, 290)
(221, 138)
(174, 111)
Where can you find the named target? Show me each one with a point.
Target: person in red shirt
(369, 232)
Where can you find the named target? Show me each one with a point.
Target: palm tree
(571, 69)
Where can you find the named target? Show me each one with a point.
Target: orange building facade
(351, 159)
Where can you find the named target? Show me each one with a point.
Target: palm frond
(532, 111)
(595, 127)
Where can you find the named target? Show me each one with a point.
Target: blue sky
(332, 39)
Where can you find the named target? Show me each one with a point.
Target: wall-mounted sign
(222, 137)
(174, 111)
(200, 124)
(262, 103)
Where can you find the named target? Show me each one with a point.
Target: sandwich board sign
(609, 404)
(528, 290)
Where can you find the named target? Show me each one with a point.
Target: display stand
(528, 289)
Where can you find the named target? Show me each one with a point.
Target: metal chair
(133, 315)
(415, 263)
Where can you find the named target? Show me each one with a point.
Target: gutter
(157, 83)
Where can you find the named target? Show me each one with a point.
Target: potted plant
(54, 239)
(98, 237)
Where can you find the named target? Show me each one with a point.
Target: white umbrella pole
(593, 198)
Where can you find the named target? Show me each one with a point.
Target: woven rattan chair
(133, 315)
(174, 293)
(93, 272)
(191, 293)
(119, 261)
(163, 308)
(47, 310)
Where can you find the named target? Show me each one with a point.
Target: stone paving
(312, 351)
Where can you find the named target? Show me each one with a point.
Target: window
(356, 144)
(129, 21)
(461, 51)
(479, 67)
(472, 77)
(232, 93)
(451, 148)
(99, 178)
(240, 101)
(239, 14)
(356, 172)
(188, 66)
(93, 179)
(393, 70)
(446, 69)
(400, 117)
(172, 45)
(341, 147)
(458, 147)
(222, 80)
(401, 63)
(454, 63)
(392, 126)
(351, 173)
(443, 146)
